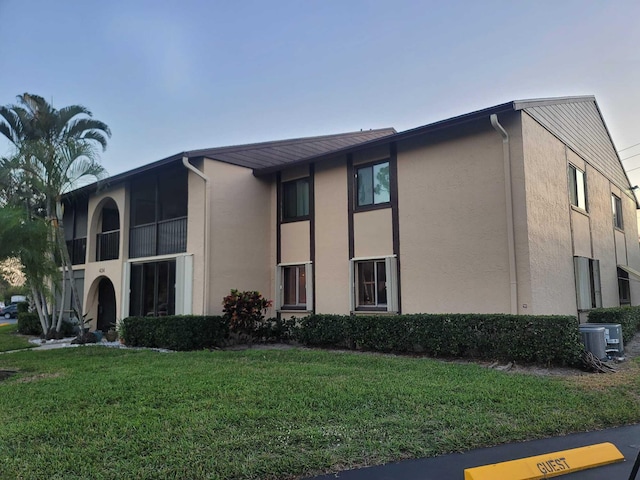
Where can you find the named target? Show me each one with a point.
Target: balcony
(77, 250)
(162, 238)
(107, 244)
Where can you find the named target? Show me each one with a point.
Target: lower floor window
(152, 289)
(375, 284)
(588, 291)
(294, 287)
(372, 283)
(624, 290)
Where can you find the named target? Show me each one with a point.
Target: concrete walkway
(451, 467)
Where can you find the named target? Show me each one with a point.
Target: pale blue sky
(174, 76)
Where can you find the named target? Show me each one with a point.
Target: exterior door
(106, 305)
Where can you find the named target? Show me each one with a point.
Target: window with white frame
(616, 207)
(577, 187)
(374, 284)
(294, 286)
(588, 291)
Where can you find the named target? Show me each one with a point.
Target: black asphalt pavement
(446, 467)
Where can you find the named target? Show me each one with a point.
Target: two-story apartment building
(523, 207)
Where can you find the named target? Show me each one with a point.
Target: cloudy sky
(174, 76)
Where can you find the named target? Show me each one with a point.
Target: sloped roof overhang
(414, 132)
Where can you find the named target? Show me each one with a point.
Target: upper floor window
(373, 184)
(295, 199)
(577, 187)
(616, 205)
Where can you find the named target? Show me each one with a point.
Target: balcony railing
(108, 244)
(162, 238)
(77, 250)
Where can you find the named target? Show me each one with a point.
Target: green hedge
(175, 332)
(524, 338)
(29, 324)
(627, 317)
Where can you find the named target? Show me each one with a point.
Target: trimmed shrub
(175, 332)
(324, 331)
(273, 330)
(29, 324)
(244, 311)
(627, 317)
(525, 338)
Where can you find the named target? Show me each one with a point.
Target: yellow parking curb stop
(548, 465)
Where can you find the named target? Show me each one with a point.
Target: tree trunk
(45, 310)
(66, 262)
(36, 300)
(61, 309)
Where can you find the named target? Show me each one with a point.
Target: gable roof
(576, 121)
(580, 125)
(273, 154)
(282, 152)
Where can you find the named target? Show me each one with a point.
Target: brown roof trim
(212, 153)
(433, 127)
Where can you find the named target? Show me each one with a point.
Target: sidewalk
(451, 467)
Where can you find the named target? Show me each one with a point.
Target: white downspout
(207, 194)
(509, 201)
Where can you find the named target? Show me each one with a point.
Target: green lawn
(9, 340)
(100, 413)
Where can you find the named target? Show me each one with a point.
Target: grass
(9, 340)
(101, 413)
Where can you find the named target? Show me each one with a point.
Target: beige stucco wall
(601, 220)
(111, 269)
(373, 233)
(293, 173)
(581, 230)
(631, 237)
(332, 240)
(371, 155)
(557, 231)
(621, 247)
(240, 248)
(295, 242)
(196, 222)
(548, 221)
(453, 241)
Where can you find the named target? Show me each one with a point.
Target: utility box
(594, 340)
(613, 337)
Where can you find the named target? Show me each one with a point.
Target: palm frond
(65, 117)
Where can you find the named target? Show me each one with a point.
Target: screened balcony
(77, 250)
(158, 220)
(162, 238)
(107, 245)
(108, 240)
(74, 219)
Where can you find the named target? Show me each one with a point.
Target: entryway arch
(106, 305)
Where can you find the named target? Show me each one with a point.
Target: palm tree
(54, 150)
